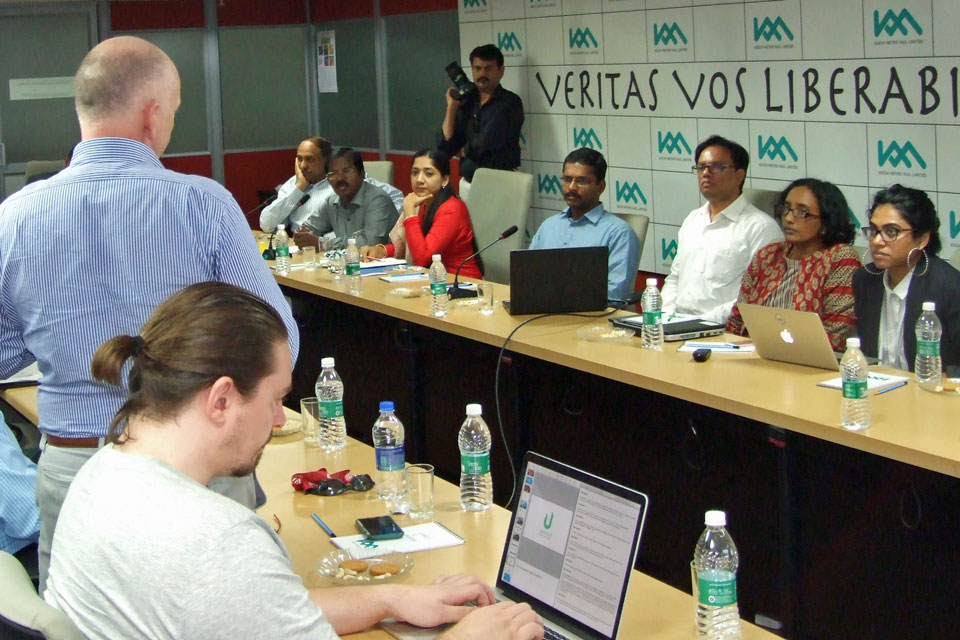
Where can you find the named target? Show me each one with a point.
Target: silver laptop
(788, 335)
(570, 550)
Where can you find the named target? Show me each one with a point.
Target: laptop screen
(572, 543)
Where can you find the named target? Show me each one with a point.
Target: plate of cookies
(339, 567)
(292, 425)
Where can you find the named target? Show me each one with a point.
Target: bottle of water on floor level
(715, 563)
(281, 243)
(651, 302)
(388, 445)
(439, 300)
(352, 268)
(476, 485)
(855, 405)
(927, 366)
(329, 390)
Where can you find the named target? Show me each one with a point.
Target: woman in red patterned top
(434, 220)
(812, 270)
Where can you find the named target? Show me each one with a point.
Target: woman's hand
(373, 252)
(412, 202)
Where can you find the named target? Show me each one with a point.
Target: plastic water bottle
(927, 366)
(715, 562)
(352, 267)
(855, 405)
(388, 444)
(476, 485)
(329, 390)
(439, 300)
(651, 303)
(281, 242)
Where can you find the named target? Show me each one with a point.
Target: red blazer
(451, 236)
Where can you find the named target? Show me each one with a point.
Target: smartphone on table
(379, 528)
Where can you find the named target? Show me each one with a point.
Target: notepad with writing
(419, 537)
(875, 382)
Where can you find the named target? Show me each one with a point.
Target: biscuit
(384, 569)
(359, 566)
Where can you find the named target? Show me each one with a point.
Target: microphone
(303, 200)
(455, 291)
(262, 204)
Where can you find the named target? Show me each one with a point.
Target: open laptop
(788, 335)
(557, 280)
(570, 550)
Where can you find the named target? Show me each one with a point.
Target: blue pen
(896, 386)
(323, 525)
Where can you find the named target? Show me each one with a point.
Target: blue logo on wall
(630, 192)
(668, 251)
(769, 29)
(474, 3)
(672, 143)
(895, 23)
(548, 184)
(773, 149)
(853, 218)
(895, 154)
(581, 38)
(586, 138)
(508, 41)
(954, 225)
(668, 34)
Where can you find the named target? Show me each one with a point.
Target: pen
(896, 386)
(323, 525)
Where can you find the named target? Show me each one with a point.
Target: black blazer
(940, 284)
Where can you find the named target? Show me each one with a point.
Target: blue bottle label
(390, 458)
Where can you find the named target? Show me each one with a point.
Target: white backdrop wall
(863, 93)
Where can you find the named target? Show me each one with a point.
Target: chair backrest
(762, 199)
(496, 200)
(35, 167)
(26, 613)
(639, 223)
(381, 170)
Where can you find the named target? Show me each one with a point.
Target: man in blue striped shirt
(19, 520)
(89, 253)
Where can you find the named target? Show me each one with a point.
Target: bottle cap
(436, 257)
(474, 410)
(326, 362)
(281, 227)
(715, 519)
(351, 241)
(929, 306)
(651, 282)
(386, 405)
(853, 342)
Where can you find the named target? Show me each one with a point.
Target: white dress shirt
(287, 210)
(712, 257)
(890, 341)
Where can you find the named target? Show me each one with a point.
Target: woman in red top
(433, 220)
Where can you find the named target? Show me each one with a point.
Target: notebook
(788, 335)
(557, 280)
(419, 537)
(570, 550)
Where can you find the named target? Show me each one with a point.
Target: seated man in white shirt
(717, 241)
(144, 550)
(301, 196)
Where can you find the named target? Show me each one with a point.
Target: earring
(926, 260)
(866, 267)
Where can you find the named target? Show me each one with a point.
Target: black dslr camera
(462, 87)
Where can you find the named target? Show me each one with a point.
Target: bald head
(126, 85)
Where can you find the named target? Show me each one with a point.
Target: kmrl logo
(773, 149)
(769, 29)
(672, 143)
(896, 153)
(508, 42)
(474, 3)
(668, 34)
(630, 192)
(894, 22)
(586, 138)
(523, 140)
(668, 251)
(954, 225)
(581, 38)
(548, 184)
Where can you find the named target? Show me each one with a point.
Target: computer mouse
(702, 355)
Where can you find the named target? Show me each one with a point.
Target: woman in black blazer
(904, 243)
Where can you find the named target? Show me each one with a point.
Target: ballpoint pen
(323, 525)
(902, 383)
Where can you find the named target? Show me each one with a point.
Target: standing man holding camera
(482, 127)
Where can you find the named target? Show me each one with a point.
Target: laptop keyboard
(553, 634)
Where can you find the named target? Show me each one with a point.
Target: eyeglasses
(800, 213)
(716, 167)
(346, 173)
(334, 486)
(580, 181)
(889, 232)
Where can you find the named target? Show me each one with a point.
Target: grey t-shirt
(143, 551)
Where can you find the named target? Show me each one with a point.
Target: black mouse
(702, 355)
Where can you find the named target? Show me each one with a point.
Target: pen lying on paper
(323, 525)
(896, 386)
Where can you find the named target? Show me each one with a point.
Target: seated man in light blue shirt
(585, 223)
(19, 517)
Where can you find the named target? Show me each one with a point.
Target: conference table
(820, 511)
